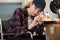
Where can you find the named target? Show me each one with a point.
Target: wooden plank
(56, 35)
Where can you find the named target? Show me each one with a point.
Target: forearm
(31, 26)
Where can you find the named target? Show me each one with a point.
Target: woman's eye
(35, 7)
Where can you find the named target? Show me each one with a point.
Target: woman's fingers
(39, 19)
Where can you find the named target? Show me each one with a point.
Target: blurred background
(7, 7)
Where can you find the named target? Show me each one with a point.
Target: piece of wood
(52, 25)
(56, 35)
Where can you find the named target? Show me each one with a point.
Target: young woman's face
(34, 11)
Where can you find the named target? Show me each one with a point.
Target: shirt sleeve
(17, 22)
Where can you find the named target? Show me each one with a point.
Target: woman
(19, 23)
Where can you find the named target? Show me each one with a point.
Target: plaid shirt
(19, 22)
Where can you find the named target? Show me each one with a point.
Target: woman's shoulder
(21, 9)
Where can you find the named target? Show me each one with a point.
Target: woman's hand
(37, 20)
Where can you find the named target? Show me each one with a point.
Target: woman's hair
(29, 4)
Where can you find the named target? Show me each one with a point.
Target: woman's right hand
(37, 20)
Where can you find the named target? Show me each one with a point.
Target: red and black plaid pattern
(19, 22)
